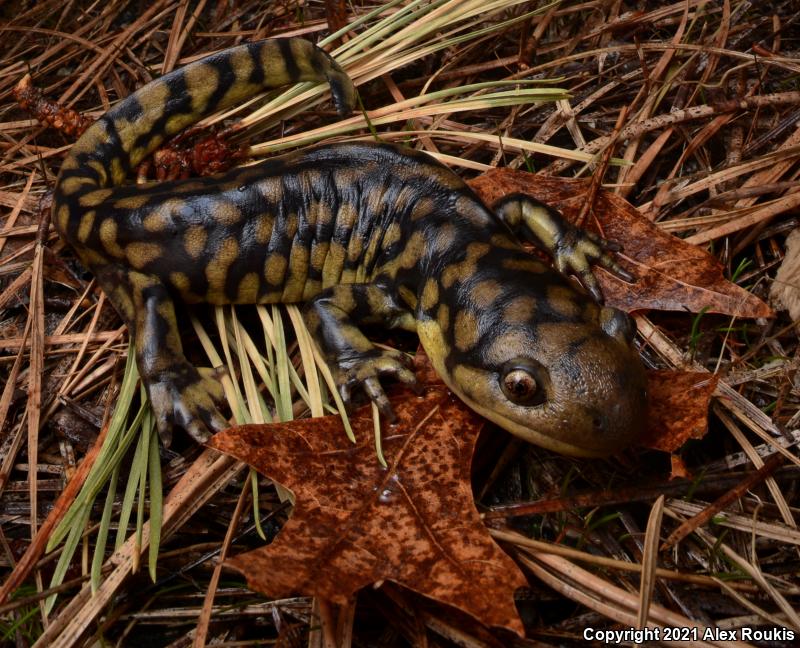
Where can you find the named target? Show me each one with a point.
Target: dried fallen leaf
(785, 290)
(677, 407)
(356, 523)
(671, 274)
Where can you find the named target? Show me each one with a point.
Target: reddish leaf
(32, 99)
(677, 407)
(356, 523)
(678, 469)
(671, 274)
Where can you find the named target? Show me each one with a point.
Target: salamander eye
(520, 386)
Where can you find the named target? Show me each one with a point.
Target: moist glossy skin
(361, 233)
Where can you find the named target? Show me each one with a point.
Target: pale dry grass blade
(649, 561)
(609, 600)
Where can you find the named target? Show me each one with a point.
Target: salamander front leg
(179, 393)
(572, 249)
(355, 361)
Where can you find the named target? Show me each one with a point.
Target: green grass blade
(156, 502)
(102, 533)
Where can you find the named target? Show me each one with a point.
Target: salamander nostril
(618, 324)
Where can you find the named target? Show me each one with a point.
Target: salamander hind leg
(331, 317)
(573, 250)
(179, 394)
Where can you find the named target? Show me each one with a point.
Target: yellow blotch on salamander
(443, 317)
(242, 64)
(319, 252)
(118, 173)
(226, 212)
(271, 189)
(376, 200)
(422, 208)
(444, 238)
(391, 235)
(180, 281)
(123, 301)
(473, 212)
(444, 176)
(194, 240)
(108, 237)
(412, 252)
(343, 296)
(86, 226)
(465, 330)
(69, 186)
(248, 288)
(346, 217)
(263, 227)
(524, 265)
(485, 293)
(408, 296)
(202, 82)
(62, 218)
(562, 301)
(94, 198)
(217, 270)
(311, 288)
(100, 169)
(154, 222)
(275, 269)
(321, 212)
(141, 254)
(520, 311)
(504, 241)
(466, 268)
(144, 124)
(290, 226)
(430, 295)
(354, 248)
(332, 268)
(131, 202)
(297, 273)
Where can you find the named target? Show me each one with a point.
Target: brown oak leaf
(356, 523)
(677, 407)
(671, 274)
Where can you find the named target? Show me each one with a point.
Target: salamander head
(545, 363)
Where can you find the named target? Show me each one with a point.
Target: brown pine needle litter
(689, 110)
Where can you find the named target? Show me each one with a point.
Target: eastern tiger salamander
(362, 233)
